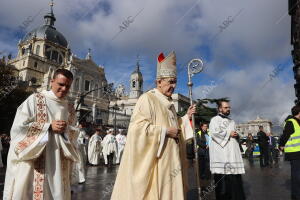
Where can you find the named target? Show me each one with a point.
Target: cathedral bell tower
(136, 82)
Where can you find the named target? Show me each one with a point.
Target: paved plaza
(259, 183)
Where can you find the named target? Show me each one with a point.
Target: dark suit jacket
(263, 139)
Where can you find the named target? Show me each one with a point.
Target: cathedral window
(48, 54)
(37, 51)
(23, 51)
(133, 84)
(54, 56)
(35, 64)
(87, 85)
(60, 59)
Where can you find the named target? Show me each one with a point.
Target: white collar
(50, 94)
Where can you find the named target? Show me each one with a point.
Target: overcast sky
(245, 45)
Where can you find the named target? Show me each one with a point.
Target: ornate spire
(138, 63)
(88, 56)
(49, 17)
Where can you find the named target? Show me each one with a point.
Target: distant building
(253, 127)
(45, 49)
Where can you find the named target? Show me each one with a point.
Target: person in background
(203, 152)
(289, 142)
(95, 148)
(121, 140)
(110, 149)
(250, 147)
(263, 142)
(81, 146)
(272, 150)
(203, 140)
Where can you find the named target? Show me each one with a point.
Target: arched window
(35, 64)
(54, 56)
(37, 51)
(87, 85)
(133, 84)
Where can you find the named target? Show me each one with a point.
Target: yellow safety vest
(199, 133)
(293, 144)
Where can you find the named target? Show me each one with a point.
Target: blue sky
(240, 42)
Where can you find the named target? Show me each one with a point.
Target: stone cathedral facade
(43, 50)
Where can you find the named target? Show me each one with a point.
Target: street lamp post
(108, 89)
(115, 107)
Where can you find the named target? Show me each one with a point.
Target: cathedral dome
(47, 31)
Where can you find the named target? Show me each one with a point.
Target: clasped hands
(173, 132)
(58, 126)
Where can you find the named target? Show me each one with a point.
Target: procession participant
(121, 140)
(81, 146)
(226, 161)
(42, 151)
(110, 149)
(95, 148)
(153, 163)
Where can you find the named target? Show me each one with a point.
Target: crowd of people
(268, 148)
(105, 146)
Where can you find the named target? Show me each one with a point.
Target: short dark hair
(64, 72)
(219, 103)
(260, 127)
(295, 110)
(202, 123)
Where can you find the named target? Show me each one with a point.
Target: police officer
(290, 143)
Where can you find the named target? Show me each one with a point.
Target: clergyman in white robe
(40, 162)
(95, 148)
(121, 140)
(81, 146)
(110, 149)
(226, 161)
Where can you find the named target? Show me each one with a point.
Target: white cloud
(244, 52)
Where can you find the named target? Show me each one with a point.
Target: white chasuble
(224, 151)
(153, 165)
(39, 162)
(81, 147)
(95, 149)
(121, 141)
